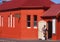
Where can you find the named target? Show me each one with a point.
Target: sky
(4, 0)
(0, 1)
(56, 1)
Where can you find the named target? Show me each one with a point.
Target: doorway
(49, 29)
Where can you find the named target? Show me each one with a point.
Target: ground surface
(10, 40)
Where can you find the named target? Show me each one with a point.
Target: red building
(21, 19)
(52, 17)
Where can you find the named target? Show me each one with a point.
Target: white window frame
(28, 27)
(11, 21)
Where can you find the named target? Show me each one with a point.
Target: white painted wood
(28, 27)
(53, 26)
(13, 22)
(35, 27)
(11, 19)
(40, 31)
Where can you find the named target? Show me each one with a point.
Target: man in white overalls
(44, 29)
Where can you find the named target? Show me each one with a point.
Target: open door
(49, 29)
(40, 26)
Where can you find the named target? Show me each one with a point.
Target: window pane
(28, 17)
(35, 17)
(35, 20)
(35, 23)
(28, 24)
(28, 20)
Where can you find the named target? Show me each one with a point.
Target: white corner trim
(54, 26)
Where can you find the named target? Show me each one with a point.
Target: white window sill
(28, 27)
(35, 27)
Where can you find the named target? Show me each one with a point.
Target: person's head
(44, 26)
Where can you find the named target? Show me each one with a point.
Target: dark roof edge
(24, 8)
(48, 17)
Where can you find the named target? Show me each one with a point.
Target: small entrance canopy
(54, 11)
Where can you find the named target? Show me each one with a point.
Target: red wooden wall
(58, 30)
(20, 31)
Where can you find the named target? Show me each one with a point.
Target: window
(11, 21)
(1, 21)
(28, 21)
(35, 21)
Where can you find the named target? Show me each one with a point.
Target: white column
(13, 22)
(53, 26)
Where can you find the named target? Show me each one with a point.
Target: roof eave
(29, 7)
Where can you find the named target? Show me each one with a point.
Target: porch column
(54, 29)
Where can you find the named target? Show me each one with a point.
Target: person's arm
(46, 29)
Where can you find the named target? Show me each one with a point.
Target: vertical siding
(20, 30)
(58, 30)
(29, 33)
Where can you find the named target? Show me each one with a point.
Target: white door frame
(40, 32)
